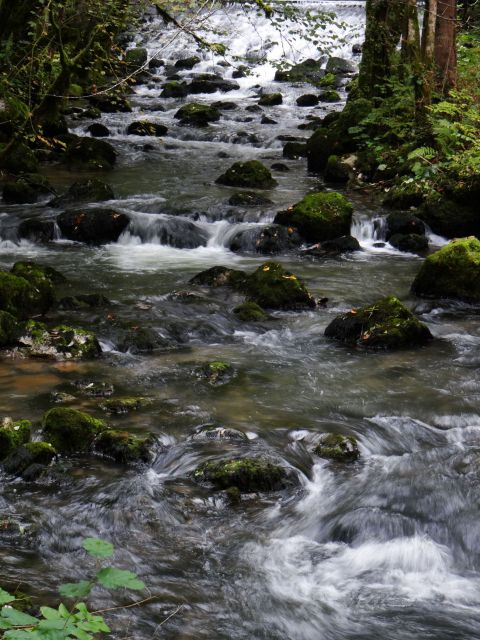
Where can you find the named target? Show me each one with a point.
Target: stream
(386, 547)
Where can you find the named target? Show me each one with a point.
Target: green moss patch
(124, 447)
(250, 174)
(69, 430)
(272, 287)
(246, 474)
(337, 447)
(13, 435)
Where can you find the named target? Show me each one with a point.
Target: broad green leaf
(18, 618)
(81, 634)
(75, 589)
(94, 627)
(5, 597)
(63, 612)
(113, 578)
(98, 548)
(21, 634)
(5, 624)
(50, 614)
(56, 625)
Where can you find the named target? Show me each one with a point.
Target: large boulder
(8, 329)
(93, 226)
(307, 71)
(29, 460)
(250, 174)
(123, 446)
(210, 83)
(248, 475)
(404, 223)
(319, 216)
(386, 324)
(90, 153)
(69, 430)
(146, 128)
(23, 298)
(219, 277)
(110, 103)
(36, 230)
(13, 435)
(270, 99)
(91, 190)
(197, 115)
(272, 287)
(60, 343)
(451, 272)
(174, 89)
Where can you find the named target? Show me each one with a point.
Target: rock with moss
(451, 272)
(338, 170)
(248, 199)
(405, 195)
(13, 434)
(210, 432)
(146, 128)
(211, 83)
(307, 100)
(136, 58)
(90, 153)
(329, 80)
(197, 115)
(8, 329)
(219, 277)
(319, 216)
(187, 63)
(124, 447)
(340, 66)
(71, 431)
(216, 373)
(329, 96)
(307, 71)
(294, 150)
(448, 218)
(268, 240)
(18, 192)
(337, 447)
(93, 226)
(270, 99)
(272, 287)
(108, 103)
(251, 174)
(123, 405)
(30, 460)
(36, 272)
(84, 301)
(174, 89)
(404, 223)
(386, 324)
(20, 159)
(248, 475)
(60, 343)
(22, 298)
(250, 312)
(91, 190)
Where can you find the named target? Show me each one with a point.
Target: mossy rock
(448, 218)
(187, 63)
(409, 242)
(451, 272)
(248, 475)
(174, 89)
(248, 199)
(13, 435)
(107, 103)
(90, 153)
(272, 287)
(29, 460)
(8, 329)
(60, 343)
(337, 65)
(250, 174)
(328, 80)
(91, 190)
(386, 324)
(22, 298)
(319, 216)
(196, 114)
(337, 447)
(123, 405)
(404, 223)
(250, 312)
(294, 150)
(33, 271)
(216, 373)
(146, 128)
(337, 170)
(219, 277)
(123, 446)
(69, 430)
(211, 83)
(84, 301)
(329, 96)
(270, 100)
(404, 196)
(20, 159)
(136, 58)
(307, 100)
(307, 71)
(19, 192)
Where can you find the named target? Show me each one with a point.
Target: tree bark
(446, 46)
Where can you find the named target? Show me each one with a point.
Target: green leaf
(5, 624)
(112, 578)
(49, 614)
(5, 597)
(18, 618)
(63, 612)
(21, 634)
(75, 589)
(98, 548)
(81, 634)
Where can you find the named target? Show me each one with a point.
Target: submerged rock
(90, 153)
(94, 389)
(123, 405)
(210, 432)
(250, 174)
(93, 226)
(216, 373)
(319, 216)
(29, 460)
(69, 430)
(387, 324)
(272, 287)
(197, 115)
(123, 446)
(60, 343)
(13, 435)
(451, 272)
(337, 447)
(250, 312)
(246, 474)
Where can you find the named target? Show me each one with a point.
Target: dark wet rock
(249, 174)
(61, 397)
(134, 339)
(246, 474)
(136, 58)
(124, 447)
(60, 343)
(13, 435)
(90, 153)
(93, 226)
(91, 190)
(174, 89)
(410, 242)
(30, 460)
(210, 83)
(93, 389)
(270, 99)
(36, 230)
(253, 108)
(216, 373)
(266, 240)
(337, 447)
(272, 287)
(92, 113)
(337, 170)
(219, 277)
(35, 272)
(20, 159)
(294, 150)
(319, 216)
(357, 49)
(267, 120)
(156, 63)
(146, 128)
(248, 199)
(121, 406)
(8, 329)
(174, 232)
(451, 272)
(210, 432)
(329, 96)
(23, 298)
(240, 72)
(307, 100)
(250, 312)
(450, 219)
(98, 130)
(110, 103)
(404, 196)
(340, 66)
(404, 223)
(279, 166)
(18, 192)
(225, 105)
(69, 430)
(84, 301)
(307, 71)
(243, 137)
(387, 324)
(187, 63)
(337, 246)
(197, 115)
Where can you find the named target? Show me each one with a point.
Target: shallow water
(387, 547)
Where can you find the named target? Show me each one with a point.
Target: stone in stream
(123, 405)
(8, 329)
(268, 240)
(91, 190)
(110, 103)
(307, 100)
(248, 475)
(174, 89)
(71, 431)
(272, 287)
(248, 199)
(146, 128)
(250, 312)
(23, 298)
(187, 63)
(329, 96)
(210, 83)
(216, 373)
(319, 216)
(404, 223)
(20, 159)
(124, 447)
(210, 432)
(451, 272)
(267, 120)
(93, 226)
(337, 447)
(249, 174)
(410, 243)
(26, 189)
(60, 343)
(219, 277)
(30, 460)
(270, 99)
(36, 230)
(98, 130)
(89, 153)
(93, 389)
(279, 166)
(198, 115)
(338, 170)
(337, 246)
(83, 301)
(225, 105)
(294, 150)
(386, 324)
(307, 71)
(240, 72)
(13, 434)
(135, 58)
(340, 66)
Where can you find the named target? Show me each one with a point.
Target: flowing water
(387, 547)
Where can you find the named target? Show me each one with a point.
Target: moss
(123, 405)
(8, 329)
(451, 272)
(387, 324)
(272, 287)
(13, 435)
(245, 474)
(404, 196)
(69, 430)
(23, 298)
(37, 272)
(197, 114)
(319, 216)
(329, 96)
(20, 159)
(328, 80)
(135, 58)
(146, 128)
(250, 174)
(250, 312)
(219, 276)
(217, 372)
(174, 89)
(337, 447)
(90, 153)
(61, 342)
(29, 459)
(124, 447)
(270, 100)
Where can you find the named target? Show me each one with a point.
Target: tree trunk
(411, 34)
(446, 46)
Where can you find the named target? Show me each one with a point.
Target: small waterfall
(369, 230)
